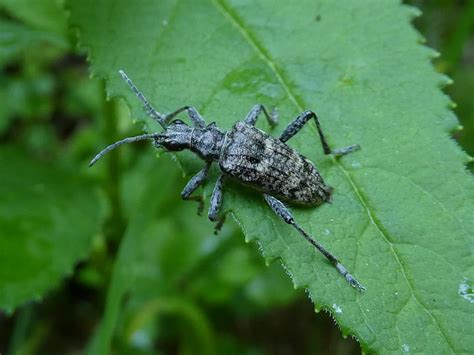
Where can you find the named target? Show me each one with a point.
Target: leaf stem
(456, 42)
(27, 341)
(199, 338)
(114, 226)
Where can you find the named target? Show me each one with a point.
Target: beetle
(249, 156)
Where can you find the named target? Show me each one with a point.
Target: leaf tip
(445, 81)
(413, 11)
(434, 54)
(421, 40)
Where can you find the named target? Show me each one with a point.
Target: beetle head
(176, 137)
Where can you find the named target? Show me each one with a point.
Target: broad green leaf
(44, 236)
(401, 217)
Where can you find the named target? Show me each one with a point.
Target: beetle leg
(193, 184)
(216, 203)
(252, 116)
(284, 213)
(298, 123)
(193, 114)
(163, 120)
(220, 223)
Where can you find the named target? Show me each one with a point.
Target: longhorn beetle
(249, 156)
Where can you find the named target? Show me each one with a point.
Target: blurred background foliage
(192, 291)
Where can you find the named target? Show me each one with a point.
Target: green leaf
(46, 15)
(401, 217)
(42, 237)
(18, 40)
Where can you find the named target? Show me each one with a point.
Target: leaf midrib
(261, 52)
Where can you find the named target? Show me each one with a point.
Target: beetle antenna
(148, 107)
(121, 142)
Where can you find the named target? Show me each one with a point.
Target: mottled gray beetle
(249, 156)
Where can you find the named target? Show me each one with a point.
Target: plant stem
(459, 37)
(198, 334)
(115, 224)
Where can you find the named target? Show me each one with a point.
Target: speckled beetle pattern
(249, 156)
(254, 158)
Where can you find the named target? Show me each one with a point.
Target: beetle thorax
(207, 142)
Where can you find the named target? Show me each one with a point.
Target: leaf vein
(387, 238)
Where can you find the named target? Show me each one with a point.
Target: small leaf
(45, 15)
(401, 217)
(47, 220)
(17, 39)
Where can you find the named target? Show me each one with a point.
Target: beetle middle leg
(284, 213)
(252, 116)
(193, 184)
(216, 204)
(298, 123)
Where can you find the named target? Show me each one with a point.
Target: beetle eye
(178, 121)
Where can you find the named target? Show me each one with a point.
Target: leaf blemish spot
(337, 308)
(356, 165)
(466, 291)
(347, 80)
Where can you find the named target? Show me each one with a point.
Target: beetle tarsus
(345, 150)
(284, 213)
(351, 279)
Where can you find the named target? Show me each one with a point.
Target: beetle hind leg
(284, 213)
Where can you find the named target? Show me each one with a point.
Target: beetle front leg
(284, 213)
(193, 184)
(252, 116)
(216, 203)
(298, 123)
(193, 115)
